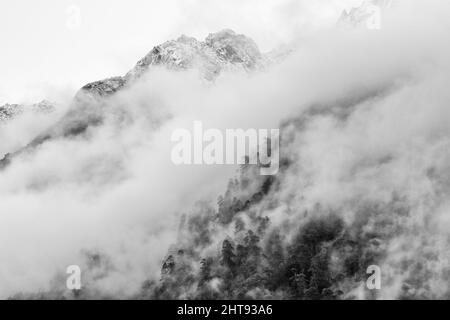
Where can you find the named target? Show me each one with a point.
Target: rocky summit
(224, 50)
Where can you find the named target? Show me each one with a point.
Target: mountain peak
(235, 48)
(221, 50)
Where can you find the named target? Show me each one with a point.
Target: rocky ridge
(224, 50)
(219, 52)
(11, 111)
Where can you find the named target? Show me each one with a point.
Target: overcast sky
(46, 54)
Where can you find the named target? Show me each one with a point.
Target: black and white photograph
(246, 151)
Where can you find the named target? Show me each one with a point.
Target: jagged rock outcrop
(9, 111)
(104, 87)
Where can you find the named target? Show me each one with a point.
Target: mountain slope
(220, 52)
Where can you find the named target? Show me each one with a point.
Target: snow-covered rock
(11, 111)
(219, 52)
(224, 50)
(105, 87)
